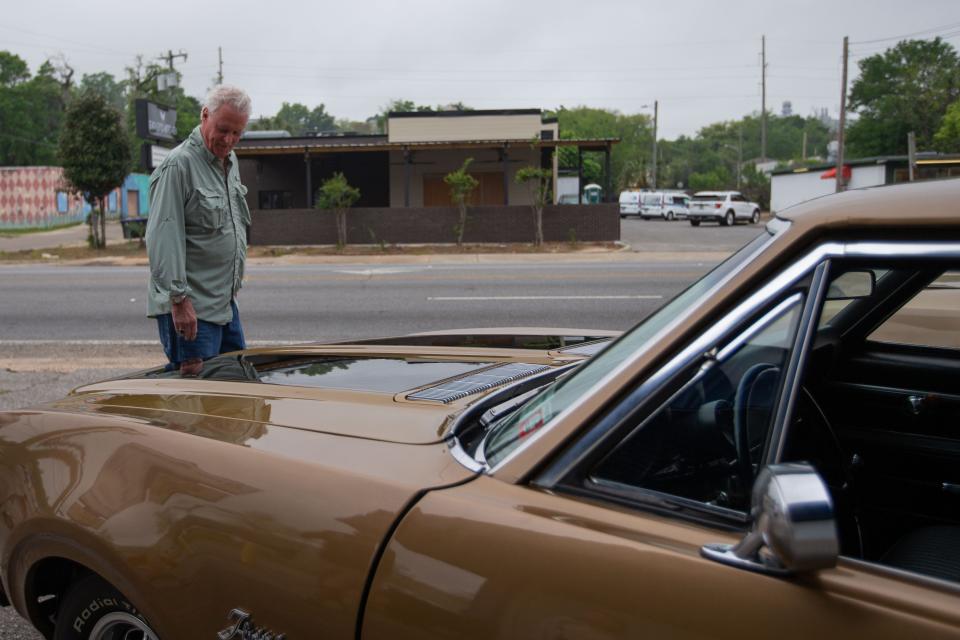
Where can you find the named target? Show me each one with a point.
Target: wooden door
(133, 204)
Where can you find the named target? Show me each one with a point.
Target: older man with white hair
(197, 237)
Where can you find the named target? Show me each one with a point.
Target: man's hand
(191, 368)
(185, 319)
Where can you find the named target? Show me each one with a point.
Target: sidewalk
(75, 236)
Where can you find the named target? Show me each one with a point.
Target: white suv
(725, 207)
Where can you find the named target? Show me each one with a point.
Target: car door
(604, 541)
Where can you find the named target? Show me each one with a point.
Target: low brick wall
(427, 225)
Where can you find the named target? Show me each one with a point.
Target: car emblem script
(242, 628)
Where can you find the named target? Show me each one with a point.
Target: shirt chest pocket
(205, 209)
(240, 197)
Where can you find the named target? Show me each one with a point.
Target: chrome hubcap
(121, 626)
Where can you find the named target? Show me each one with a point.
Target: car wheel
(755, 218)
(727, 220)
(94, 610)
(670, 215)
(694, 223)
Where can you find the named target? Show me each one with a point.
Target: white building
(799, 184)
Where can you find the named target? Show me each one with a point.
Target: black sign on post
(156, 121)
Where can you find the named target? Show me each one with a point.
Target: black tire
(728, 219)
(694, 223)
(94, 610)
(670, 216)
(755, 218)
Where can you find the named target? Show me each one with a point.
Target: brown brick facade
(436, 225)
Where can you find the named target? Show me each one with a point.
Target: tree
(298, 119)
(538, 182)
(336, 194)
(628, 159)
(94, 152)
(13, 69)
(906, 88)
(947, 138)
(31, 113)
(107, 86)
(461, 184)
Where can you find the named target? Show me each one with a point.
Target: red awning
(831, 173)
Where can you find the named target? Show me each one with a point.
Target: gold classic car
(773, 453)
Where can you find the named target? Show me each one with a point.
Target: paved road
(332, 302)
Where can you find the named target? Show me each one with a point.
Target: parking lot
(678, 236)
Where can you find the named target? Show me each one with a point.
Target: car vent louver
(476, 382)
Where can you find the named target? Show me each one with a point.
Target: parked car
(667, 205)
(773, 453)
(629, 203)
(725, 207)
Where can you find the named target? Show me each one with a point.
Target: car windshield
(651, 199)
(514, 429)
(707, 196)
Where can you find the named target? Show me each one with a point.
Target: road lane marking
(499, 298)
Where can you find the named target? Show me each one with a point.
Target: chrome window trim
(798, 269)
(911, 577)
(806, 332)
(663, 500)
(602, 382)
(461, 456)
(501, 394)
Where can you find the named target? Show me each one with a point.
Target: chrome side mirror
(793, 526)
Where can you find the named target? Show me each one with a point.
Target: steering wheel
(751, 406)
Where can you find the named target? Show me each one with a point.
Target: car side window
(705, 443)
(927, 320)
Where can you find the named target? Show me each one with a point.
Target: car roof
(907, 205)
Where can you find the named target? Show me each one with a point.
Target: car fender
(45, 539)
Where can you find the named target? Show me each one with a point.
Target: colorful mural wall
(38, 197)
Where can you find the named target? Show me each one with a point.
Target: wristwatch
(177, 298)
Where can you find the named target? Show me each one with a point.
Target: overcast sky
(699, 59)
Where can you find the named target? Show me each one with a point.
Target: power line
(946, 27)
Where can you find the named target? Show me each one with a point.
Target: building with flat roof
(793, 185)
(405, 167)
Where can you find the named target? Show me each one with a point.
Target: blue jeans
(212, 339)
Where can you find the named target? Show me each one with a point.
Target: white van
(629, 203)
(667, 205)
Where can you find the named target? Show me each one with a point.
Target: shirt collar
(196, 138)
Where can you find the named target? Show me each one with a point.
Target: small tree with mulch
(538, 183)
(95, 154)
(336, 194)
(461, 184)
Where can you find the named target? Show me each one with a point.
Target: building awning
(320, 145)
(831, 174)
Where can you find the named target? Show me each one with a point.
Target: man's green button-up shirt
(196, 231)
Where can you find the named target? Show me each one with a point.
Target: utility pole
(803, 152)
(171, 55)
(739, 155)
(220, 65)
(911, 152)
(653, 179)
(763, 98)
(843, 117)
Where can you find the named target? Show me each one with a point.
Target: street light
(653, 172)
(739, 150)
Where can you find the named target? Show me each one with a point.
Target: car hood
(393, 393)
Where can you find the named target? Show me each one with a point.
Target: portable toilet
(592, 194)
